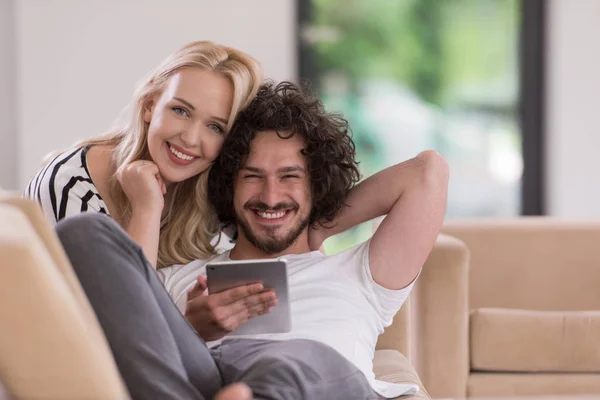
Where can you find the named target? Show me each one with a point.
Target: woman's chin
(171, 177)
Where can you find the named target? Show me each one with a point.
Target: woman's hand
(143, 186)
(145, 190)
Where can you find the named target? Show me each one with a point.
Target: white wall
(573, 109)
(78, 61)
(67, 67)
(8, 92)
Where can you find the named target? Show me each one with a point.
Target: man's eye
(181, 111)
(250, 176)
(216, 128)
(290, 177)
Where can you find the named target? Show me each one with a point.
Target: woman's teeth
(270, 215)
(180, 154)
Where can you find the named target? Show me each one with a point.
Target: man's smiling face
(272, 197)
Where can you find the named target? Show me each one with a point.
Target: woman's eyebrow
(187, 103)
(225, 121)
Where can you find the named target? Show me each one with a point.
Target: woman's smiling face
(188, 122)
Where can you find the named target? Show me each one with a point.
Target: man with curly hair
(286, 179)
(286, 172)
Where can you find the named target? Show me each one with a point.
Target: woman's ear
(149, 109)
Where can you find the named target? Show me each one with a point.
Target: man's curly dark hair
(328, 148)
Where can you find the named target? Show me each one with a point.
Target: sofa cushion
(49, 348)
(508, 340)
(392, 366)
(547, 385)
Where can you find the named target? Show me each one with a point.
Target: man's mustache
(258, 205)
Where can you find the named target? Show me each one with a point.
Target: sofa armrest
(48, 347)
(392, 366)
(395, 336)
(439, 320)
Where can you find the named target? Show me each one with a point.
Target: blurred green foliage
(450, 53)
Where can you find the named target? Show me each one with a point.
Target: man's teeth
(180, 154)
(268, 215)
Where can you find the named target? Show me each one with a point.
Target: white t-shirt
(334, 300)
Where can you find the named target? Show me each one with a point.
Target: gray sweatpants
(160, 355)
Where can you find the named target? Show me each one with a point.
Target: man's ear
(149, 109)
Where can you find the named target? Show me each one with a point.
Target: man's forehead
(276, 141)
(273, 149)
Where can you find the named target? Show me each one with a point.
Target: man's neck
(244, 250)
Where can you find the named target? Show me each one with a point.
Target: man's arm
(413, 194)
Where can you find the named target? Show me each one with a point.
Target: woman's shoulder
(61, 166)
(64, 186)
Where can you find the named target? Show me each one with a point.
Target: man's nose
(271, 193)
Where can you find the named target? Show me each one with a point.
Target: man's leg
(292, 369)
(158, 353)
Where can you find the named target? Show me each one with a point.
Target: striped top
(64, 187)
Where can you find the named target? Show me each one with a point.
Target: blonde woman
(150, 172)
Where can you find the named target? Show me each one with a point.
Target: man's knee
(301, 360)
(318, 372)
(85, 227)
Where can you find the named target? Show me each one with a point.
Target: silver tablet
(272, 273)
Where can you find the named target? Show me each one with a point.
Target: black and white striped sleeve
(64, 188)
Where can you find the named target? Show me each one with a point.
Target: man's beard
(272, 244)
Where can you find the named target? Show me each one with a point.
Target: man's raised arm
(413, 194)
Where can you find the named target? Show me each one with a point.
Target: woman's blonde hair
(188, 228)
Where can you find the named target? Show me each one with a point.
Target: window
(416, 74)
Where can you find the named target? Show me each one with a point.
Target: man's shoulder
(178, 271)
(356, 252)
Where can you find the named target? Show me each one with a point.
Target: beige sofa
(525, 319)
(51, 345)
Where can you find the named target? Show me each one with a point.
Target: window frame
(531, 49)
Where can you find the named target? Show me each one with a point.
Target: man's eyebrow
(225, 121)
(252, 169)
(282, 170)
(293, 168)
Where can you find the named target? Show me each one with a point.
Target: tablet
(272, 273)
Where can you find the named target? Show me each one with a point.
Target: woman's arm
(144, 229)
(145, 190)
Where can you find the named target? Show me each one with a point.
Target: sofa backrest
(535, 263)
(51, 345)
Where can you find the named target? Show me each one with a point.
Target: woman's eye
(216, 128)
(181, 111)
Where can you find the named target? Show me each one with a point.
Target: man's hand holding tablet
(245, 297)
(217, 314)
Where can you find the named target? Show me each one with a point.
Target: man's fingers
(261, 308)
(245, 312)
(250, 307)
(267, 297)
(201, 282)
(237, 293)
(198, 288)
(237, 313)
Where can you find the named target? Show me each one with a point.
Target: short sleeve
(386, 302)
(64, 188)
